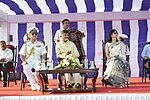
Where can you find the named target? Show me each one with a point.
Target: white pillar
(4, 31)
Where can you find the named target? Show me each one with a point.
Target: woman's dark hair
(65, 20)
(109, 37)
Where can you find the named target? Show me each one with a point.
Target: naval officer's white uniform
(33, 53)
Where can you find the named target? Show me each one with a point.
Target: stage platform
(136, 91)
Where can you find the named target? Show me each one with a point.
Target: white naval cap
(31, 28)
(123, 35)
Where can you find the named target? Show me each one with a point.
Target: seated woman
(64, 49)
(116, 61)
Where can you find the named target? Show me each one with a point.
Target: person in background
(26, 37)
(65, 26)
(122, 38)
(32, 53)
(116, 61)
(146, 56)
(6, 55)
(65, 48)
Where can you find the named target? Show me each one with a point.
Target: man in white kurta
(32, 53)
(66, 48)
(6, 55)
(65, 26)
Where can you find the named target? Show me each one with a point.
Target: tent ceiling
(3, 16)
(22, 7)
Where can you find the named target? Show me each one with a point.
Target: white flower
(69, 63)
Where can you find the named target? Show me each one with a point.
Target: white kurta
(7, 53)
(58, 34)
(61, 51)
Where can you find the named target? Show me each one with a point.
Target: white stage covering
(81, 97)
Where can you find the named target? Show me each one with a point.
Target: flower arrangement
(69, 63)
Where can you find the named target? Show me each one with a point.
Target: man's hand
(145, 57)
(24, 63)
(108, 57)
(40, 63)
(3, 59)
(69, 52)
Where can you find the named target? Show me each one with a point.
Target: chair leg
(102, 84)
(149, 73)
(145, 75)
(105, 85)
(8, 79)
(127, 84)
(21, 82)
(15, 78)
(60, 80)
(47, 78)
(65, 84)
(85, 80)
(24, 80)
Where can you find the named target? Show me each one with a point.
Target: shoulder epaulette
(39, 41)
(26, 42)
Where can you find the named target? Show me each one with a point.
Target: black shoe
(78, 85)
(4, 84)
(69, 86)
(46, 87)
(72, 84)
(59, 85)
(84, 86)
(107, 82)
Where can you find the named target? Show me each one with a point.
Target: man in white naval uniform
(31, 54)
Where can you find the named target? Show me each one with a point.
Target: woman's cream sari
(117, 67)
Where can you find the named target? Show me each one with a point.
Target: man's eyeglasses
(34, 33)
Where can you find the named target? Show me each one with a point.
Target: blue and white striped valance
(19, 7)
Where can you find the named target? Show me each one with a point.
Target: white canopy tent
(93, 17)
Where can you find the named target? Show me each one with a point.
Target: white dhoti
(75, 78)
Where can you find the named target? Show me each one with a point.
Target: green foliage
(68, 63)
